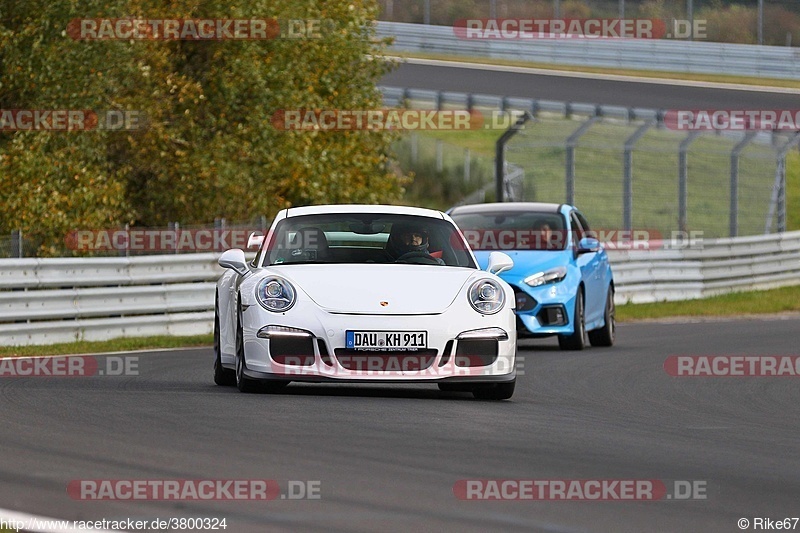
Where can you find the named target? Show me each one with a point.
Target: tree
(205, 146)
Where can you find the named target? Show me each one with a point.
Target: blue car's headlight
(554, 275)
(486, 296)
(275, 294)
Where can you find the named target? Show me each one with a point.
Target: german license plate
(386, 340)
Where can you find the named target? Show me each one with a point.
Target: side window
(577, 228)
(585, 225)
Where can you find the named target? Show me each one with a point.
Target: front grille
(292, 350)
(476, 352)
(389, 361)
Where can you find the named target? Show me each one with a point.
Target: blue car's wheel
(605, 336)
(576, 341)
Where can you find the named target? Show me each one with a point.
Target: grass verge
(113, 345)
(739, 303)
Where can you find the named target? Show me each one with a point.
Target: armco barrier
(643, 54)
(44, 301)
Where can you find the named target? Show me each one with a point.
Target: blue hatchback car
(561, 275)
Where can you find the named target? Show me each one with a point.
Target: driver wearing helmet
(410, 243)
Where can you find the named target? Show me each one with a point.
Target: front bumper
(313, 350)
(549, 309)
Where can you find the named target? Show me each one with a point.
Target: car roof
(363, 208)
(510, 207)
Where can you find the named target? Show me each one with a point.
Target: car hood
(527, 262)
(361, 289)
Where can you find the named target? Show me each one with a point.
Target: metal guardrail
(44, 301)
(643, 54)
(714, 267)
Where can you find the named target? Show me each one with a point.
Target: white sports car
(365, 293)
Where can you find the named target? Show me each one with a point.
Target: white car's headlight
(275, 294)
(486, 296)
(554, 275)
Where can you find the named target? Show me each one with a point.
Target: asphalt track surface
(571, 89)
(388, 457)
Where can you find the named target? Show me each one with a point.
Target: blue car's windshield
(505, 231)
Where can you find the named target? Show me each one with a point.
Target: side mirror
(234, 259)
(588, 245)
(499, 262)
(255, 239)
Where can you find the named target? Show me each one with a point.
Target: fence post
(683, 176)
(467, 161)
(734, 208)
(778, 200)
(414, 147)
(627, 188)
(16, 244)
(439, 155)
(175, 228)
(572, 142)
(500, 154)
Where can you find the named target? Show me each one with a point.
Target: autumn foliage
(204, 146)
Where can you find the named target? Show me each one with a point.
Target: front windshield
(366, 238)
(503, 231)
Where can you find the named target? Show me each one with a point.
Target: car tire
(243, 383)
(223, 377)
(494, 391)
(605, 336)
(576, 341)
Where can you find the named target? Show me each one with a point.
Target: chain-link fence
(638, 174)
(625, 168)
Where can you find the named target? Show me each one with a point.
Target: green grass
(714, 78)
(786, 299)
(113, 345)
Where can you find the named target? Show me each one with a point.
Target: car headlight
(554, 275)
(486, 296)
(275, 294)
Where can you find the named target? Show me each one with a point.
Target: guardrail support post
(16, 244)
(683, 178)
(627, 186)
(734, 208)
(572, 142)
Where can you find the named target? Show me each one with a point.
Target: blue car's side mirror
(588, 245)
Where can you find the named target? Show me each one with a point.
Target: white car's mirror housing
(499, 262)
(234, 259)
(255, 239)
